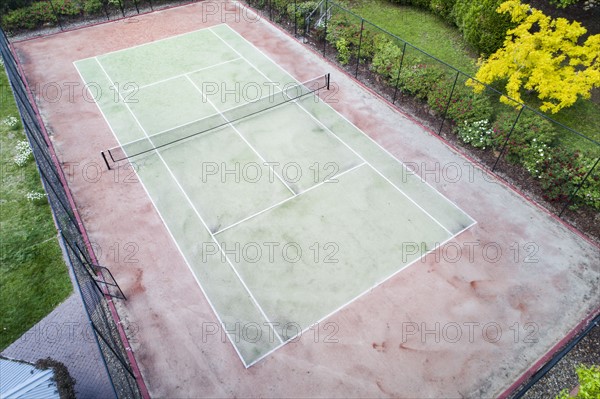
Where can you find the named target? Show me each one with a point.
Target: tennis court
(284, 211)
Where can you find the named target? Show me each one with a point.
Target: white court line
(185, 74)
(289, 199)
(347, 120)
(223, 326)
(198, 214)
(344, 143)
(242, 137)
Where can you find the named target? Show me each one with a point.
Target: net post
(105, 160)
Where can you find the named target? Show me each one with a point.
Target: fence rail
(94, 283)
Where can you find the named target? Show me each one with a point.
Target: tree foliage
(543, 55)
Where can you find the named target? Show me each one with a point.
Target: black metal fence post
(121, 7)
(270, 5)
(398, 76)
(362, 26)
(325, 31)
(295, 18)
(448, 103)
(572, 196)
(508, 137)
(105, 7)
(56, 14)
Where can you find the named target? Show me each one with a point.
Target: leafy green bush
(302, 11)
(419, 79)
(369, 44)
(343, 55)
(92, 6)
(589, 193)
(482, 27)
(386, 60)
(531, 131)
(41, 12)
(349, 29)
(341, 27)
(31, 17)
(18, 19)
(465, 105)
(561, 172)
(589, 383)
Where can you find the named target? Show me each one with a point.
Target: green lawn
(33, 275)
(433, 35)
(421, 29)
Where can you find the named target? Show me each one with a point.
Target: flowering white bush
(34, 195)
(478, 134)
(23, 151)
(534, 156)
(10, 121)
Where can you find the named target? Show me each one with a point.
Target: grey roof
(23, 380)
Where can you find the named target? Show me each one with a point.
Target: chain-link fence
(549, 161)
(95, 283)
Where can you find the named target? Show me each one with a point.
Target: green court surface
(284, 216)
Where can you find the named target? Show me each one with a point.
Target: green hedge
(40, 13)
(482, 27)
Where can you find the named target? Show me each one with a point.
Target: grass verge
(33, 276)
(421, 29)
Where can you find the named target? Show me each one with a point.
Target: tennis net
(156, 141)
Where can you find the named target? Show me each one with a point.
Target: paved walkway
(65, 335)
